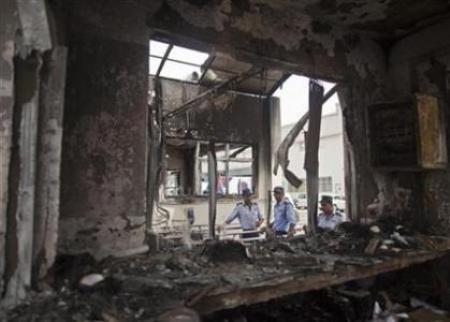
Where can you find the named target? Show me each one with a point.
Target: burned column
(103, 175)
(51, 110)
(312, 152)
(153, 162)
(8, 25)
(20, 212)
(212, 179)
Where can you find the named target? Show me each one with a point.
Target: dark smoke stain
(437, 75)
(329, 5)
(25, 85)
(99, 164)
(199, 3)
(89, 231)
(347, 7)
(240, 5)
(320, 27)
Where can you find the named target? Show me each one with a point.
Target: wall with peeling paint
(8, 25)
(420, 63)
(104, 146)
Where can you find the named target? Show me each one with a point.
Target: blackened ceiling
(390, 18)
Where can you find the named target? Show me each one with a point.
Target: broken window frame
(195, 188)
(166, 58)
(226, 160)
(175, 187)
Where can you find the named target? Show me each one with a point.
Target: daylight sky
(182, 63)
(294, 99)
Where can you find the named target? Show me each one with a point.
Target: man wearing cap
(248, 213)
(328, 218)
(284, 215)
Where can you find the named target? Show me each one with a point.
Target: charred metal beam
(163, 60)
(282, 154)
(316, 98)
(212, 178)
(238, 151)
(213, 92)
(153, 161)
(278, 84)
(330, 93)
(207, 66)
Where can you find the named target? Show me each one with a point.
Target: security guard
(284, 215)
(328, 218)
(248, 213)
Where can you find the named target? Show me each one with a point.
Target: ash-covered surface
(140, 288)
(321, 306)
(137, 288)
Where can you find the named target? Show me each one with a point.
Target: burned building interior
(107, 157)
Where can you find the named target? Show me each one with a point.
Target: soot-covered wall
(104, 146)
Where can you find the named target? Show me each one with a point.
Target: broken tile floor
(226, 281)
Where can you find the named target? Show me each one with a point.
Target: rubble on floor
(333, 304)
(224, 275)
(387, 236)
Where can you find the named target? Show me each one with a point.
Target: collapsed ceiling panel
(175, 62)
(223, 62)
(192, 66)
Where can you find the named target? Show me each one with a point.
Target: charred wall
(419, 197)
(8, 25)
(425, 68)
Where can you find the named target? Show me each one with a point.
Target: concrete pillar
(275, 139)
(104, 146)
(20, 212)
(8, 25)
(49, 160)
(265, 152)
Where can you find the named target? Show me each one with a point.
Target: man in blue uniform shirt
(284, 215)
(248, 214)
(328, 218)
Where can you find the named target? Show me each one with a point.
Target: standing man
(284, 215)
(248, 213)
(328, 218)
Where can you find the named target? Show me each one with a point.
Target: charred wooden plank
(227, 298)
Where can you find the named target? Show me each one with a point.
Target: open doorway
(294, 97)
(203, 98)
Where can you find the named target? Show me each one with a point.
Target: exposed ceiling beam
(163, 60)
(278, 84)
(214, 91)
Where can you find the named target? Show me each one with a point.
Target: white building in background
(331, 156)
